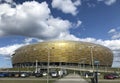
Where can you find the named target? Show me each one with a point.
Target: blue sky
(23, 22)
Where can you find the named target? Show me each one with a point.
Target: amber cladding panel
(63, 51)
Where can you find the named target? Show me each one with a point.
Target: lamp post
(48, 64)
(92, 59)
(84, 59)
(96, 73)
(83, 64)
(79, 63)
(79, 66)
(36, 66)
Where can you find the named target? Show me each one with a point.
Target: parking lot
(41, 77)
(44, 79)
(26, 80)
(107, 81)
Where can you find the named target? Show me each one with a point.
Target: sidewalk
(71, 78)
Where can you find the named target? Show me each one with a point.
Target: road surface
(72, 78)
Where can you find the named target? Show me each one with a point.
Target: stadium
(62, 53)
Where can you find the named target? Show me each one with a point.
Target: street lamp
(91, 53)
(79, 66)
(83, 63)
(48, 62)
(96, 73)
(36, 66)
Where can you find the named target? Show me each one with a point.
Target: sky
(24, 22)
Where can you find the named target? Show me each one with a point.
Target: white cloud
(32, 19)
(115, 33)
(9, 50)
(78, 23)
(112, 31)
(116, 36)
(91, 4)
(108, 2)
(11, 2)
(66, 6)
(31, 40)
(27, 19)
(77, 2)
(28, 40)
(112, 44)
(8, 1)
(66, 36)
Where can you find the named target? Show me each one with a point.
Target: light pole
(84, 59)
(80, 51)
(92, 59)
(79, 66)
(48, 64)
(36, 66)
(83, 64)
(96, 73)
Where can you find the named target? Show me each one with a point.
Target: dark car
(109, 76)
(11, 74)
(38, 74)
(3, 74)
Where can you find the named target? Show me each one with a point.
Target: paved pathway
(71, 78)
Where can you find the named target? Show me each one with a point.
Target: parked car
(16, 75)
(11, 74)
(60, 73)
(24, 75)
(116, 75)
(2, 75)
(65, 72)
(44, 73)
(109, 76)
(54, 74)
(38, 74)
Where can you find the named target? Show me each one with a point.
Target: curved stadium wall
(65, 52)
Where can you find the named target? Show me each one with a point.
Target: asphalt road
(72, 78)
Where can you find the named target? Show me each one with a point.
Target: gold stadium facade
(62, 52)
